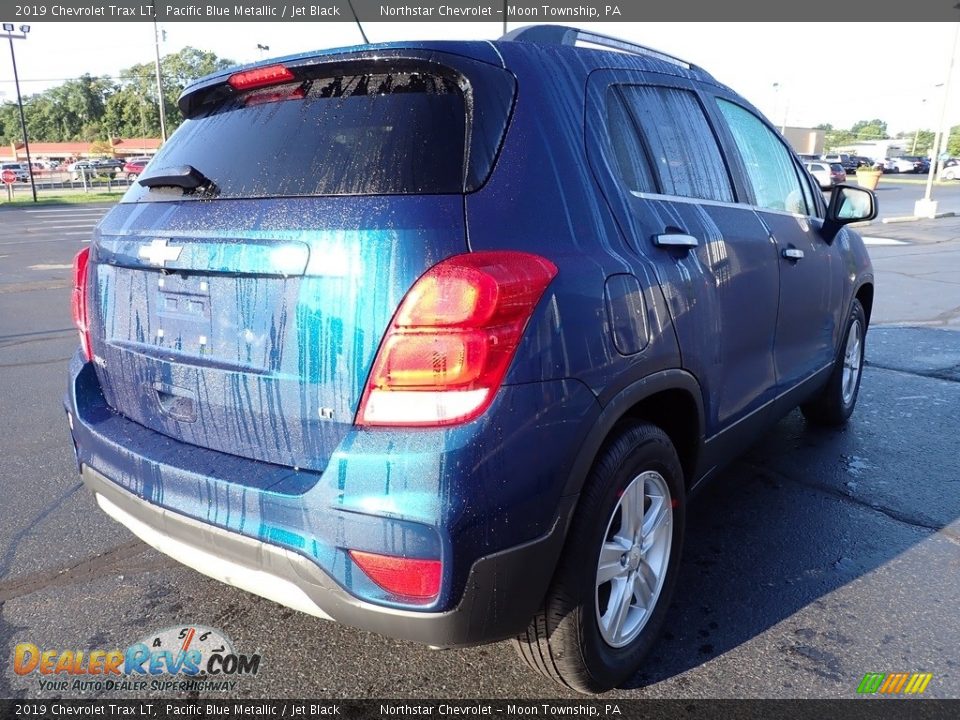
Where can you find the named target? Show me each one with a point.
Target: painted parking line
(71, 226)
(58, 218)
(868, 240)
(58, 239)
(67, 210)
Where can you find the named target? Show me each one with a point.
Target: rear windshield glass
(359, 134)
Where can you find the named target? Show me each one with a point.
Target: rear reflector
(78, 300)
(451, 341)
(260, 77)
(407, 577)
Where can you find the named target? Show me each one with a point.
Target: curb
(913, 218)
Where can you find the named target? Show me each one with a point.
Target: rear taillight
(407, 577)
(260, 77)
(78, 301)
(450, 343)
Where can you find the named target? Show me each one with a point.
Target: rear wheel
(609, 596)
(835, 403)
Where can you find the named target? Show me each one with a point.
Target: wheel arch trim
(619, 406)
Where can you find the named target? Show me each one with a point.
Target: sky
(799, 74)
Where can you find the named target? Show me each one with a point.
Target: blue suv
(436, 339)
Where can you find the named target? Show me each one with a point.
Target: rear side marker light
(411, 578)
(260, 77)
(78, 301)
(451, 341)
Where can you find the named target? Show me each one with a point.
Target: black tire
(833, 407)
(564, 641)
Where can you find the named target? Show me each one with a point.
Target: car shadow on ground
(805, 512)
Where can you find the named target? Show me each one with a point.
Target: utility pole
(8, 31)
(156, 47)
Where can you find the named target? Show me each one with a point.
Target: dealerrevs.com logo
(176, 659)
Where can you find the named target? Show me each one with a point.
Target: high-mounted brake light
(451, 341)
(260, 77)
(408, 577)
(78, 301)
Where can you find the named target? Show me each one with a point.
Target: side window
(625, 146)
(769, 165)
(807, 184)
(683, 149)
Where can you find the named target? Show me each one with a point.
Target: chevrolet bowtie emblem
(159, 253)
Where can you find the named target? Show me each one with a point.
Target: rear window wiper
(186, 177)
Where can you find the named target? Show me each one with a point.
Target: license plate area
(183, 312)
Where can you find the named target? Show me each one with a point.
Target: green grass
(24, 198)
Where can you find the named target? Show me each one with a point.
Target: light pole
(776, 106)
(916, 135)
(927, 207)
(8, 30)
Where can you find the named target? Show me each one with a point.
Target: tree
(953, 141)
(920, 142)
(875, 129)
(139, 82)
(834, 139)
(92, 108)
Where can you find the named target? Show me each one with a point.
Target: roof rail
(574, 37)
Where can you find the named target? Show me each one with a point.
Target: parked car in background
(862, 161)
(900, 165)
(920, 164)
(397, 394)
(826, 174)
(134, 166)
(950, 170)
(846, 161)
(112, 163)
(90, 169)
(20, 169)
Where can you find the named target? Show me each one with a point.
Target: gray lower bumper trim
(483, 615)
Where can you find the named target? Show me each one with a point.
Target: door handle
(675, 240)
(792, 253)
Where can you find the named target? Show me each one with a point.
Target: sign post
(9, 177)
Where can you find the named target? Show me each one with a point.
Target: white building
(878, 149)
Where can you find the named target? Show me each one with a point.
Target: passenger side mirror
(848, 204)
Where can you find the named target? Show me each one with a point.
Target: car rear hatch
(241, 289)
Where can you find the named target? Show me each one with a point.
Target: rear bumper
(497, 520)
(484, 614)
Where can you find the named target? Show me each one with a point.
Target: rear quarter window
(683, 149)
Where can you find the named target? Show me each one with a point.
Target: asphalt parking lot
(818, 557)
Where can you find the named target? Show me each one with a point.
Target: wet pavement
(818, 557)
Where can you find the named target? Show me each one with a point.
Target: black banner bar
(515, 12)
(158, 709)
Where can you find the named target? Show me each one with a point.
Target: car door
(677, 202)
(811, 268)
